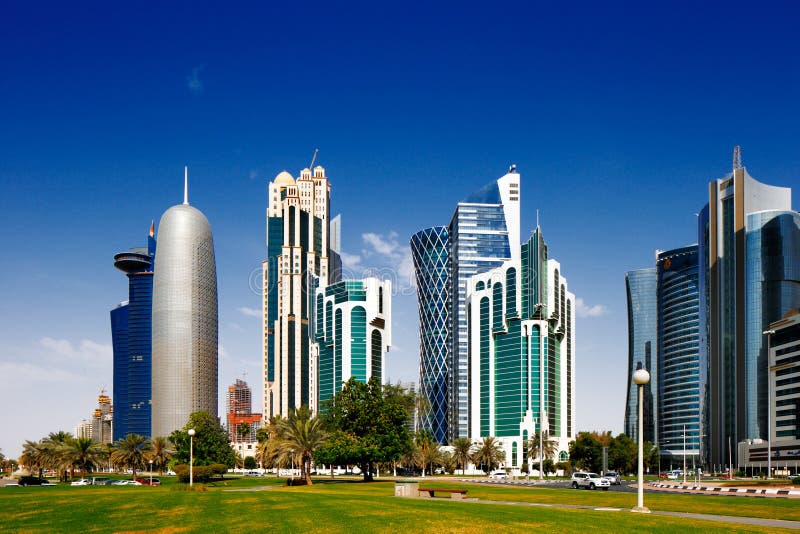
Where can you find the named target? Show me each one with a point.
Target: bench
(457, 494)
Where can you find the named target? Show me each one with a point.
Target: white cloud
(29, 373)
(193, 81)
(386, 246)
(583, 310)
(350, 261)
(87, 351)
(250, 312)
(222, 353)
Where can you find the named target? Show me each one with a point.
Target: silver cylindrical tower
(184, 320)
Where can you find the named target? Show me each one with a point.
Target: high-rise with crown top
(184, 319)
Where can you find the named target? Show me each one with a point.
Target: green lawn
(341, 507)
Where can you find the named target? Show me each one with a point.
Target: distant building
(131, 334)
(184, 319)
(640, 289)
(100, 426)
(84, 429)
(239, 414)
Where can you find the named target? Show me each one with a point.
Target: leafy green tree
(302, 435)
(340, 448)
(250, 463)
(489, 454)
(651, 454)
(376, 417)
(211, 445)
(462, 452)
(586, 452)
(131, 451)
(622, 454)
(548, 466)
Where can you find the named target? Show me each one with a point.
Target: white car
(590, 481)
(126, 483)
(499, 474)
(613, 478)
(81, 482)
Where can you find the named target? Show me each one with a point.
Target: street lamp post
(151, 472)
(640, 378)
(191, 457)
(684, 454)
(769, 333)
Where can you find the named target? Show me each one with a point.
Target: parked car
(499, 474)
(101, 481)
(675, 475)
(590, 481)
(257, 474)
(32, 481)
(613, 478)
(147, 481)
(81, 482)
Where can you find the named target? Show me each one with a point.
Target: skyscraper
(522, 352)
(242, 423)
(749, 282)
(131, 333)
(318, 330)
(640, 288)
(351, 338)
(682, 377)
(430, 251)
(184, 319)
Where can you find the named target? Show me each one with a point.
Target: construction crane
(316, 150)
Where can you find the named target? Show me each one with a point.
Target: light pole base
(641, 509)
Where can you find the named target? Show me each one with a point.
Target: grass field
(344, 506)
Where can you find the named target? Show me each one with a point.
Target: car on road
(590, 481)
(32, 481)
(499, 474)
(613, 478)
(126, 483)
(147, 481)
(81, 482)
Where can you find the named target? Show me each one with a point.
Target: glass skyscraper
(748, 286)
(640, 289)
(430, 252)
(481, 232)
(131, 334)
(682, 376)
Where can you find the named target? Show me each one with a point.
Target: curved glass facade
(772, 277)
(430, 252)
(679, 363)
(640, 287)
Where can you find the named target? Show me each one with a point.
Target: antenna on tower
(737, 157)
(537, 218)
(313, 159)
(186, 184)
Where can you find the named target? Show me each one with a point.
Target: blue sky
(616, 116)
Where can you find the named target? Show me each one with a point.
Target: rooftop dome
(284, 179)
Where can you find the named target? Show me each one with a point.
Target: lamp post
(191, 456)
(769, 333)
(151, 472)
(684, 454)
(291, 451)
(640, 378)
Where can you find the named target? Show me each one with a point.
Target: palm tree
(426, 446)
(549, 448)
(462, 452)
(84, 453)
(301, 435)
(243, 429)
(490, 454)
(54, 457)
(33, 456)
(160, 453)
(131, 451)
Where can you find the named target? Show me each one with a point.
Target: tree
(84, 453)
(33, 456)
(489, 454)
(161, 453)
(211, 445)
(462, 452)
(651, 457)
(54, 454)
(426, 447)
(243, 429)
(376, 416)
(586, 452)
(131, 451)
(339, 448)
(549, 449)
(302, 435)
(622, 454)
(250, 463)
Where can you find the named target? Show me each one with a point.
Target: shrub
(250, 463)
(201, 473)
(796, 481)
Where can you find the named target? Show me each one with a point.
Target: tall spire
(152, 228)
(186, 185)
(737, 157)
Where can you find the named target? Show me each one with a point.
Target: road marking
(608, 509)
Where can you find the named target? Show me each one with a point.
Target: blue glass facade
(640, 287)
(772, 277)
(430, 252)
(478, 242)
(680, 386)
(131, 329)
